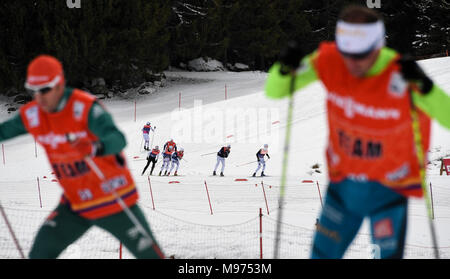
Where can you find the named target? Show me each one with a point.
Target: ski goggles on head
(42, 89)
(358, 40)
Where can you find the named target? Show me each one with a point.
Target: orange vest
(155, 151)
(170, 147)
(370, 127)
(86, 193)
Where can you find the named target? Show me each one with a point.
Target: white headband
(357, 38)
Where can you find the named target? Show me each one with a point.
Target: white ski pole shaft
(153, 135)
(208, 153)
(245, 164)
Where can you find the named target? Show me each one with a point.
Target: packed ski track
(203, 111)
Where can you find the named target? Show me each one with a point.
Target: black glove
(290, 57)
(412, 72)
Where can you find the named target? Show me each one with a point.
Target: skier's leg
(163, 165)
(61, 228)
(223, 164)
(146, 166)
(146, 144)
(337, 226)
(388, 224)
(121, 226)
(259, 166)
(168, 163)
(153, 165)
(217, 164)
(172, 166)
(263, 165)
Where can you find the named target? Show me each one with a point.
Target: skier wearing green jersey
(98, 189)
(373, 156)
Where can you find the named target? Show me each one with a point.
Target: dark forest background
(127, 42)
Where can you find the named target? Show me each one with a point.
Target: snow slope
(220, 108)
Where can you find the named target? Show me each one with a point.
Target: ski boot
(214, 172)
(165, 173)
(168, 174)
(160, 173)
(262, 174)
(254, 174)
(221, 174)
(175, 174)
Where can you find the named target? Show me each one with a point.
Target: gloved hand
(412, 72)
(290, 57)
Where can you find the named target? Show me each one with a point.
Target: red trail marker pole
(260, 234)
(265, 198)
(209, 200)
(35, 148)
(39, 191)
(320, 195)
(11, 231)
(151, 193)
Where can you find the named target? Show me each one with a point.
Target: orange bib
(370, 128)
(87, 194)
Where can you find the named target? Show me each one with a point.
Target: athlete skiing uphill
(372, 164)
(87, 199)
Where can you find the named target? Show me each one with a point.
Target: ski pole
(153, 135)
(287, 139)
(240, 165)
(421, 157)
(11, 231)
(101, 176)
(208, 154)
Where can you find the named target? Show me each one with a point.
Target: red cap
(44, 71)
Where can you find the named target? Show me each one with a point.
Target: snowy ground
(219, 108)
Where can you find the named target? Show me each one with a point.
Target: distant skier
(221, 155)
(169, 148)
(260, 159)
(176, 157)
(152, 157)
(145, 133)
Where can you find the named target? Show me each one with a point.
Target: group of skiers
(260, 159)
(172, 156)
(365, 81)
